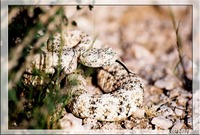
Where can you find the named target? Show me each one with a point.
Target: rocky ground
(144, 38)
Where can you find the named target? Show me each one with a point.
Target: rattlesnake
(122, 89)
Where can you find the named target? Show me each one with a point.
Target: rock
(71, 123)
(189, 121)
(179, 112)
(111, 126)
(175, 92)
(164, 97)
(140, 52)
(155, 90)
(139, 113)
(166, 111)
(169, 82)
(153, 72)
(141, 123)
(128, 124)
(152, 95)
(173, 104)
(142, 56)
(178, 125)
(161, 122)
(153, 99)
(182, 101)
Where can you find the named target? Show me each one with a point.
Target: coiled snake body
(122, 89)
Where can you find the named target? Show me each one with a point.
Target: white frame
(4, 59)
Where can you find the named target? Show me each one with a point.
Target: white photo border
(4, 60)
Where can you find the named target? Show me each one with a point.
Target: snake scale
(122, 89)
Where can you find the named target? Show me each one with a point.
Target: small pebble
(128, 124)
(182, 101)
(189, 121)
(155, 90)
(142, 53)
(161, 122)
(169, 82)
(179, 112)
(70, 122)
(139, 113)
(111, 126)
(14, 124)
(175, 92)
(178, 125)
(166, 111)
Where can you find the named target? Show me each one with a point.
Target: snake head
(95, 57)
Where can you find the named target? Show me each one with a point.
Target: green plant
(33, 97)
(187, 83)
(36, 99)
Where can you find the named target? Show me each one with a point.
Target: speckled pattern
(122, 89)
(72, 47)
(124, 94)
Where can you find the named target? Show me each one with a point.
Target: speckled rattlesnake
(122, 89)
